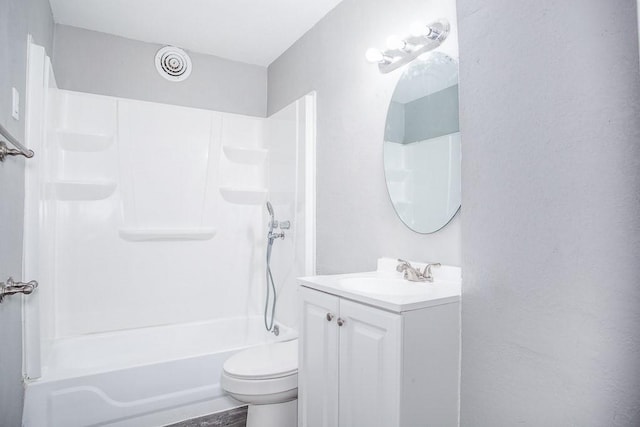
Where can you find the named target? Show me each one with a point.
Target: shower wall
(157, 213)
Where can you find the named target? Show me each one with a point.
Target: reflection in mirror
(422, 144)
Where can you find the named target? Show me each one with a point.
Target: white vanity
(379, 351)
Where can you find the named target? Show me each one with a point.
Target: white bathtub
(142, 377)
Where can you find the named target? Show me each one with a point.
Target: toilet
(266, 378)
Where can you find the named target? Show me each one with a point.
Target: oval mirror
(422, 144)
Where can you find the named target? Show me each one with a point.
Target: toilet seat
(264, 374)
(264, 362)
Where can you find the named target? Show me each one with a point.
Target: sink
(383, 286)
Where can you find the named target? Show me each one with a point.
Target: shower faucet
(285, 225)
(272, 236)
(273, 224)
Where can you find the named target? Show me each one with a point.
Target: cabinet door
(370, 355)
(318, 364)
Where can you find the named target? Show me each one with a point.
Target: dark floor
(236, 417)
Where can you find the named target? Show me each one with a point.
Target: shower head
(270, 209)
(273, 223)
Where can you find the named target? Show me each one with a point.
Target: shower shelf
(396, 174)
(85, 142)
(159, 234)
(82, 190)
(244, 196)
(252, 156)
(402, 205)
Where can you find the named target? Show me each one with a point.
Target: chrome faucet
(427, 274)
(414, 274)
(410, 273)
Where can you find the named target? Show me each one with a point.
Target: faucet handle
(427, 273)
(285, 225)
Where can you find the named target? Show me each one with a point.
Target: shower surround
(148, 236)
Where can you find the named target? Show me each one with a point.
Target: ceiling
(251, 31)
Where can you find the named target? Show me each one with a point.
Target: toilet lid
(264, 361)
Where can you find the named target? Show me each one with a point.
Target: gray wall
(89, 61)
(17, 18)
(356, 222)
(550, 122)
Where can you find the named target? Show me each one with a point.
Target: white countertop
(445, 289)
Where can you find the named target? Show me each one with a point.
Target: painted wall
(99, 63)
(356, 222)
(17, 19)
(550, 107)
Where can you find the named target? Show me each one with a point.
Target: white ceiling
(251, 31)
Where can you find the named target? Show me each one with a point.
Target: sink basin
(383, 286)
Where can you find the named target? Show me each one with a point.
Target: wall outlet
(15, 105)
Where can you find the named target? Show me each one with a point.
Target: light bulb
(419, 29)
(396, 43)
(374, 55)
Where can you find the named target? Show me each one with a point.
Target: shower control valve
(273, 236)
(285, 225)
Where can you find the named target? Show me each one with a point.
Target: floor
(236, 417)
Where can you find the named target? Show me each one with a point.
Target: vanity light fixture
(401, 51)
(374, 56)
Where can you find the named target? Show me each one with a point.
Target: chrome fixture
(427, 274)
(271, 287)
(414, 274)
(12, 288)
(401, 51)
(273, 224)
(6, 151)
(285, 225)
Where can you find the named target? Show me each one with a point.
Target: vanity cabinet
(363, 366)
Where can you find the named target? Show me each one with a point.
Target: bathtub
(142, 377)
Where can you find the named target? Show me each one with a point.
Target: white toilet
(265, 377)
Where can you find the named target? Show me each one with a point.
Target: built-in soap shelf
(83, 142)
(402, 205)
(160, 234)
(244, 196)
(396, 174)
(82, 190)
(250, 156)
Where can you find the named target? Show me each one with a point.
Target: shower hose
(271, 287)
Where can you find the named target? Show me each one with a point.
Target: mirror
(422, 144)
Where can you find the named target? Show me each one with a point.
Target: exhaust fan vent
(173, 63)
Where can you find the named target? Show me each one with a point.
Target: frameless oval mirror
(422, 144)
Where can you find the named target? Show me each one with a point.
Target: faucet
(414, 274)
(427, 274)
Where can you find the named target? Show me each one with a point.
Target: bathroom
(547, 235)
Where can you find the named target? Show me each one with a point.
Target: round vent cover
(173, 63)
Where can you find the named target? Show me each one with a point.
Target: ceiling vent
(173, 63)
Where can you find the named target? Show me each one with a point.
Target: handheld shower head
(272, 223)
(270, 209)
